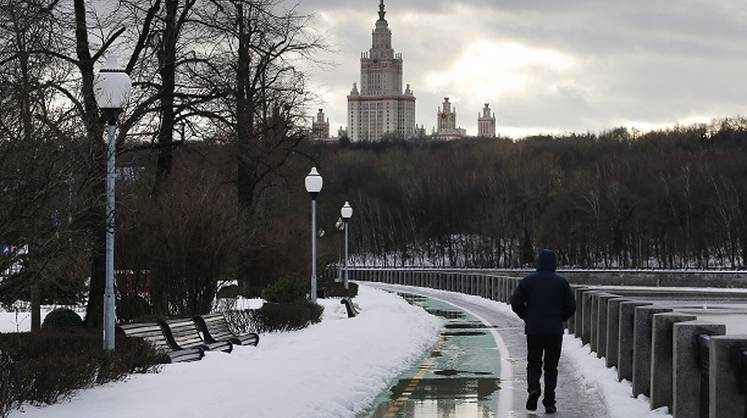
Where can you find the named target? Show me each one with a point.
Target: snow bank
(332, 369)
(617, 395)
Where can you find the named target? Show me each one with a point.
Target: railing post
(586, 309)
(727, 377)
(579, 319)
(625, 351)
(661, 357)
(613, 330)
(642, 338)
(686, 379)
(600, 336)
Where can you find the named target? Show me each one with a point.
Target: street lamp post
(346, 212)
(112, 89)
(314, 184)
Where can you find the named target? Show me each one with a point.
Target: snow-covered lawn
(332, 369)
(12, 321)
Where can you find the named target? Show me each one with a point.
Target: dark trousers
(547, 346)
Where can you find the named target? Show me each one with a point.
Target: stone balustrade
(644, 326)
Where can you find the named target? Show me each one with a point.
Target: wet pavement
(464, 375)
(459, 377)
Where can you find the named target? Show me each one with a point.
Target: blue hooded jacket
(543, 299)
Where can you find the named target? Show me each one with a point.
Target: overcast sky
(548, 65)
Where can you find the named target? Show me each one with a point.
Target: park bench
(154, 334)
(214, 328)
(183, 334)
(350, 307)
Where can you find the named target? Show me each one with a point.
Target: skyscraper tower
(447, 123)
(486, 123)
(320, 127)
(380, 107)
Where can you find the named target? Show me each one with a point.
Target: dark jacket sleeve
(569, 304)
(519, 300)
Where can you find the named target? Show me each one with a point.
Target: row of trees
(218, 71)
(674, 198)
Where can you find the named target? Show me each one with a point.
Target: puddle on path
(468, 325)
(458, 378)
(462, 333)
(448, 314)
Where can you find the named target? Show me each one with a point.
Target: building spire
(382, 10)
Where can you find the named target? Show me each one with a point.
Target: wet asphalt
(462, 375)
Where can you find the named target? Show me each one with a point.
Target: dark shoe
(532, 401)
(551, 409)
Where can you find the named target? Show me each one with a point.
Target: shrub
(275, 317)
(289, 289)
(43, 368)
(130, 307)
(60, 319)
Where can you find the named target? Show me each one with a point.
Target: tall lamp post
(346, 212)
(112, 88)
(314, 184)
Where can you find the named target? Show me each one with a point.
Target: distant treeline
(674, 198)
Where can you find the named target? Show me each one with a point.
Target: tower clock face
(443, 117)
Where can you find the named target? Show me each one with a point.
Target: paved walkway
(461, 377)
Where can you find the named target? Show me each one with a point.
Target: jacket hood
(547, 261)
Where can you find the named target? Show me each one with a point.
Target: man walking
(544, 301)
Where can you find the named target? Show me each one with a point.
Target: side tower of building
(447, 123)
(380, 107)
(486, 123)
(320, 126)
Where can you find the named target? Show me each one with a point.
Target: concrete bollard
(593, 319)
(686, 380)
(662, 345)
(601, 332)
(579, 321)
(625, 338)
(642, 337)
(727, 377)
(587, 321)
(572, 321)
(596, 320)
(613, 330)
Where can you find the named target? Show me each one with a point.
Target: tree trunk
(167, 60)
(97, 186)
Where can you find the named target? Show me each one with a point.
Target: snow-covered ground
(617, 395)
(20, 320)
(332, 369)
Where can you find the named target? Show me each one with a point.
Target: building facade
(320, 126)
(486, 123)
(381, 107)
(447, 123)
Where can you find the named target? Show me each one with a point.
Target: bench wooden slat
(184, 335)
(214, 327)
(153, 333)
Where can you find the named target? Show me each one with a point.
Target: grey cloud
(654, 61)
